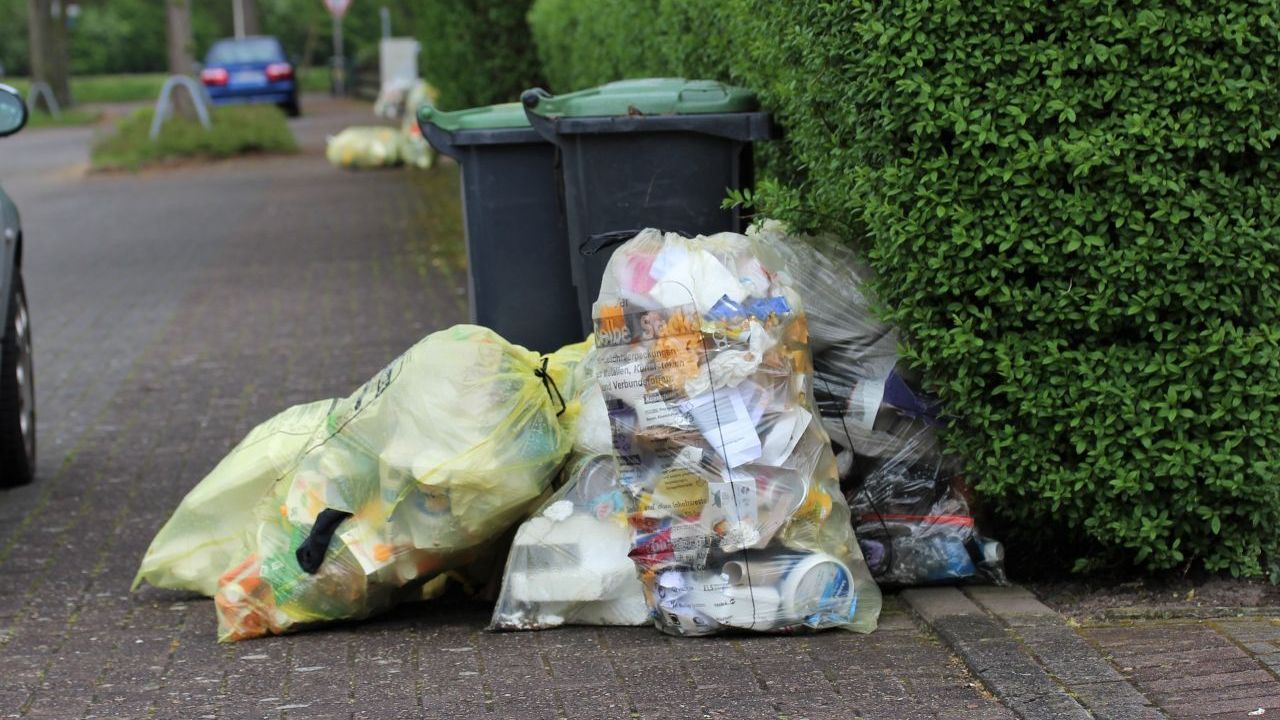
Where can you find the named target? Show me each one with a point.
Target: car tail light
(214, 76)
(279, 71)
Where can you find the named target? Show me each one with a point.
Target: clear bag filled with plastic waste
(205, 536)
(420, 471)
(569, 563)
(364, 147)
(730, 484)
(906, 492)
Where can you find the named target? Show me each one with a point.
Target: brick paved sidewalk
(1220, 668)
(1044, 665)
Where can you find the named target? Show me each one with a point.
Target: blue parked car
(17, 383)
(250, 70)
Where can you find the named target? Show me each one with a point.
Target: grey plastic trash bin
(518, 264)
(661, 152)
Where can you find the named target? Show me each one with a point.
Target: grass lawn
(313, 80)
(105, 88)
(69, 118)
(146, 86)
(237, 130)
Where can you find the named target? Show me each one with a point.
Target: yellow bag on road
(420, 471)
(206, 534)
(364, 147)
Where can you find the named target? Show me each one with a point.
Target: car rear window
(253, 50)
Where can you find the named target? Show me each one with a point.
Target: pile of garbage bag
(730, 486)
(739, 447)
(364, 147)
(906, 492)
(361, 502)
(378, 146)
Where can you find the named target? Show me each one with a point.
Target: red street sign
(337, 8)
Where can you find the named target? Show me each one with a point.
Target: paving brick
(1013, 604)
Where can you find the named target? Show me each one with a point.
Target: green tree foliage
(1072, 209)
(475, 52)
(128, 36)
(13, 37)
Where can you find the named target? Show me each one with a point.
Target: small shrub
(236, 130)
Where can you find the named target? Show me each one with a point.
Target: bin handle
(541, 124)
(601, 241)
(531, 97)
(437, 137)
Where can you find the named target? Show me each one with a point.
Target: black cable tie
(549, 384)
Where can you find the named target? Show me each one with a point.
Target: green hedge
(475, 52)
(1073, 211)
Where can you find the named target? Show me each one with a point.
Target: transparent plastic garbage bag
(730, 485)
(569, 563)
(908, 495)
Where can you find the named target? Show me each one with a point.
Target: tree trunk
(309, 45)
(181, 52)
(47, 32)
(252, 21)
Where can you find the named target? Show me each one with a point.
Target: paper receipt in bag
(722, 418)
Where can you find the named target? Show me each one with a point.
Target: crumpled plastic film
(730, 485)
(420, 472)
(906, 492)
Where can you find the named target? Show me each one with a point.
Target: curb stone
(1028, 656)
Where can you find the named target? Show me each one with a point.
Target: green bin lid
(488, 117)
(650, 96)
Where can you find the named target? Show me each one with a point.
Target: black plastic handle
(311, 552)
(531, 97)
(602, 241)
(541, 124)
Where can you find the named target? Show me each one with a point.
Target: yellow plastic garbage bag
(205, 536)
(364, 147)
(414, 149)
(421, 471)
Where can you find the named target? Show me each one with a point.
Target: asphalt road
(108, 258)
(175, 309)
